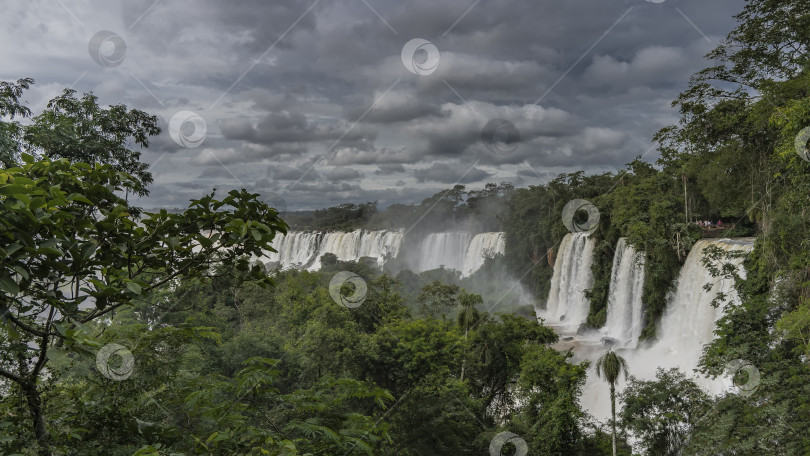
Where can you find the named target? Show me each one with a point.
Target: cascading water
(624, 309)
(454, 250)
(567, 305)
(689, 320)
(686, 327)
(357, 244)
(443, 249)
(482, 246)
(296, 249)
(303, 249)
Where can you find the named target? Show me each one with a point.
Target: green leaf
(14, 189)
(80, 198)
(11, 249)
(8, 285)
(134, 287)
(60, 329)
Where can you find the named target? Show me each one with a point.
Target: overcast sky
(319, 102)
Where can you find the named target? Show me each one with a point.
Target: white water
(357, 244)
(689, 320)
(295, 249)
(460, 251)
(624, 309)
(687, 325)
(443, 249)
(483, 245)
(567, 306)
(303, 249)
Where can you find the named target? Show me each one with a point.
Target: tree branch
(25, 327)
(44, 346)
(10, 376)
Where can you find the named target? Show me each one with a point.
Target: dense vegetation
(123, 332)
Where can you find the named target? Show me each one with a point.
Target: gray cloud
(389, 168)
(450, 173)
(341, 173)
(286, 91)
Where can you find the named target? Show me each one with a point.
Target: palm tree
(468, 316)
(610, 366)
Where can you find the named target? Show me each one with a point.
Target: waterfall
(296, 249)
(482, 246)
(688, 323)
(624, 309)
(443, 249)
(460, 251)
(685, 328)
(354, 245)
(567, 304)
(303, 249)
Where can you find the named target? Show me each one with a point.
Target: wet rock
(609, 341)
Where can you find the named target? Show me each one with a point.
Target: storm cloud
(313, 102)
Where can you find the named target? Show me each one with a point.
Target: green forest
(127, 331)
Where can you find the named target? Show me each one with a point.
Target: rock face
(609, 341)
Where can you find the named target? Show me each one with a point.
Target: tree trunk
(463, 361)
(685, 202)
(34, 400)
(613, 414)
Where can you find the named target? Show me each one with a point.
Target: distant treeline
(454, 208)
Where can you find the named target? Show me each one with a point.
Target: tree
(610, 366)
(437, 298)
(468, 316)
(662, 413)
(549, 385)
(73, 252)
(496, 355)
(80, 130)
(737, 139)
(11, 132)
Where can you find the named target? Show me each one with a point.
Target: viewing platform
(716, 231)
